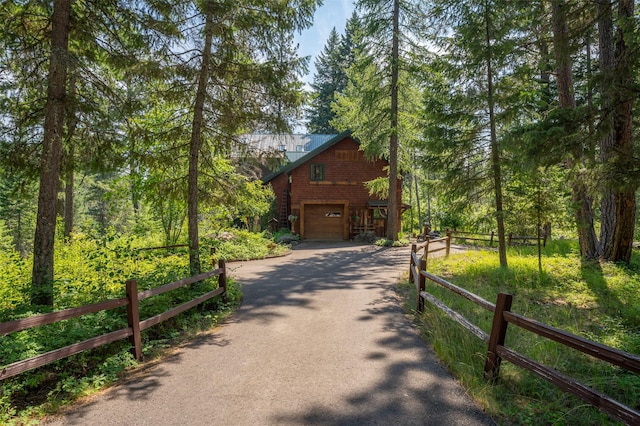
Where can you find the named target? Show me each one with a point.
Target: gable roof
(321, 148)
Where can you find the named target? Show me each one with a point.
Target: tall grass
(595, 300)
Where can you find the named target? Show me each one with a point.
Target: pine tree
(330, 78)
(371, 105)
(42, 279)
(474, 93)
(243, 73)
(618, 205)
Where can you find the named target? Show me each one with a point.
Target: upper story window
(317, 171)
(283, 147)
(299, 148)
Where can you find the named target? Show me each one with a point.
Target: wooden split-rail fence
(492, 237)
(132, 331)
(430, 246)
(497, 351)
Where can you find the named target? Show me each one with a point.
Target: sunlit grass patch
(591, 299)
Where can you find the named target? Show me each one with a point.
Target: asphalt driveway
(320, 339)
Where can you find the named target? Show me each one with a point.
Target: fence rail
(132, 331)
(428, 249)
(513, 240)
(496, 351)
(492, 237)
(162, 247)
(473, 236)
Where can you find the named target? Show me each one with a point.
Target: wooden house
(325, 190)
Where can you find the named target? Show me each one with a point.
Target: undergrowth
(90, 270)
(595, 300)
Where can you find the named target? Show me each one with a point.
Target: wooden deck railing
(496, 351)
(135, 326)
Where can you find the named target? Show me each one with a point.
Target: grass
(90, 270)
(594, 300)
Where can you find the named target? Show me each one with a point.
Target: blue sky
(333, 13)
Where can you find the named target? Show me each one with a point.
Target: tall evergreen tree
(330, 78)
(474, 94)
(371, 105)
(567, 102)
(618, 205)
(42, 279)
(243, 73)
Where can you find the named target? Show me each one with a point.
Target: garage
(323, 221)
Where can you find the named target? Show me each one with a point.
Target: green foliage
(401, 241)
(331, 77)
(378, 187)
(17, 211)
(90, 270)
(15, 274)
(240, 244)
(593, 300)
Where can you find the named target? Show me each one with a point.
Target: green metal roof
(309, 155)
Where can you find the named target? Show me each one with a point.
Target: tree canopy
(129, 114)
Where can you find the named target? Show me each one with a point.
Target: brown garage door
(324, 221)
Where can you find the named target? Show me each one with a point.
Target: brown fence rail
(512, 239)
(524, 240)
(163, 247)
(496, 351)
(135, 326)
(473, 236)
(427, 247)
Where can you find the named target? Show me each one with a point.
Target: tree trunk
(69, 160)
(392, 208)
(68, 193)
(583, 212)
(618, 206)
(43, 246)
(196, 143)
(607, 204)
(133, 170)
(415, 177)
(624, 161)
(495, 149)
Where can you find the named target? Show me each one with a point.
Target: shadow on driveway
(320, 339)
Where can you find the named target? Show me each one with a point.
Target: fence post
(222, 279)
(212, 253)
(414, 248)
(498, 333)
(133, 318)
(491, 240)
(448, 244)
(509, 239)
(425, 255)
(421, 284)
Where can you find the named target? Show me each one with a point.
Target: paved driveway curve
(320, 339)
